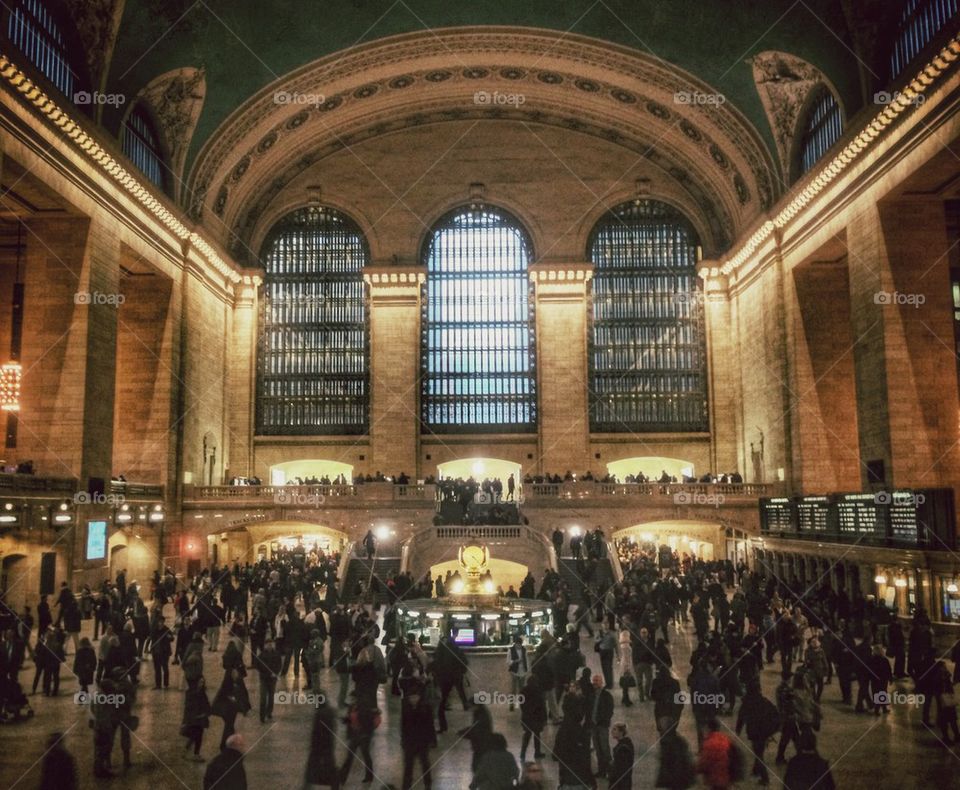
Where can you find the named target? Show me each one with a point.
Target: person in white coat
(625, 666)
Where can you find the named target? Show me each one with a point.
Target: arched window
(313, 358)
(822, 128)
(34, 30)
(141, 145)
(920, 22)
(648, 352)
(478, 361)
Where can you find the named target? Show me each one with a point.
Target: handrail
(615, 565)
(344, 564)
(37, 483)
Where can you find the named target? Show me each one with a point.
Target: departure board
(813, 513)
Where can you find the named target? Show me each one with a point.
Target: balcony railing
(12, 483)
(574, 489)
(136, 490)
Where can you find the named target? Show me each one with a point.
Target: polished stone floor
(894, 751)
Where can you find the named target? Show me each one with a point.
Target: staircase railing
(345, 557)
(614, 561)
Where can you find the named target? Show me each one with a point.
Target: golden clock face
(473, 556)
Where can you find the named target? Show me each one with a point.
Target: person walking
(621, 766)
(807, 770)
(518, 666)
(161, 648)
(196, 717)
(417, 734)
(497, 768)
(361, 722)
(762, 720)
(599, 716)
(267, 663)
(605, 646)
(677, 770)
(572, 749)
(85, 664)
(226, 771)
(58, 771)
(625, 668)
(321, 761)
(533, 717)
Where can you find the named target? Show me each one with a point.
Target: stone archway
(717, 166)
(706, 540)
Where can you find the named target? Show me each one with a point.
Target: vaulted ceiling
(610, 70)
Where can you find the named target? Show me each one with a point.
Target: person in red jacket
(714, 760)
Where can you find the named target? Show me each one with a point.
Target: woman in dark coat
(322, 760)
(231, 699)
(572, 748)
(196, 717)
(85, 664)
(533, 717)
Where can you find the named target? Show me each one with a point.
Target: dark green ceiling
(245, 45)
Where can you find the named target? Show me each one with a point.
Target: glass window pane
(313, 357)
(478, 336)
(648, 350)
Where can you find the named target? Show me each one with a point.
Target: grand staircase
(602, 576)
(363, 570)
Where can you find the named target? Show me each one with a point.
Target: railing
(479, 533)
(577, 489)
(414, 491)
(614, 561)
(18, 482)
(345, 556)
(277, 493)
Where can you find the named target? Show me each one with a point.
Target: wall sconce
(880, 579)
(952, 588)
(900, 581)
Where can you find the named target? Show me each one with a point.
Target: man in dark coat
(226, 771)
(322, 762)
(808, 770)
(449, 667)
(599, 714)
(621, 769)
(58, 770)
(267, 662)
(161, 641)
(417, 735)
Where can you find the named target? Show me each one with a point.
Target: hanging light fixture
(900, 581)
(952, 588)
(880, 578)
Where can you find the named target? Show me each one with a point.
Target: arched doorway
(311, 469)
(700, 539)
(504, 573)
(252, 542)
(652, 467)
(480, 469)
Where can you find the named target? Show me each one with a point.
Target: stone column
(722, 368)
(562, 369)
(241, 367)
(394, 367)
(906, 369)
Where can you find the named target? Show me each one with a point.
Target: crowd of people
(266, 622)
(639, 477)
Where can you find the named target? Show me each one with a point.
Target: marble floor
(892, 751)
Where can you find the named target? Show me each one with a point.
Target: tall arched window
(648, 352)
(478, 361)
(142, 146)
(34, 30)
(822, 128)
(313, 358)
(920, 22)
